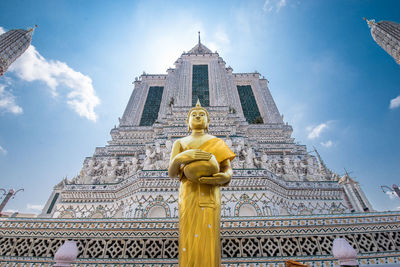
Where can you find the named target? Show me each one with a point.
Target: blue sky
(331, 81)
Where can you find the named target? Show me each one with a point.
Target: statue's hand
(191, 155)
(218, 178)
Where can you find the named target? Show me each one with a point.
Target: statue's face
(198, 119)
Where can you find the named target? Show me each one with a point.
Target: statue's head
(198, 118)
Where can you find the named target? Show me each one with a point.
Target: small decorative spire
(321, 162)
(199, 38)
(370, 22)
(32, 29)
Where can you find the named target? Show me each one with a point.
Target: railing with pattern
(249, 240)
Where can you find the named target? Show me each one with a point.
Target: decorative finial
(199, 37)
(198, 105)
(347, 172)
(370, 22)
(32, 29)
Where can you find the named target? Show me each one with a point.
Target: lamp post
(11, 194)
(394, 188)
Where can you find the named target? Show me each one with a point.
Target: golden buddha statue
(203, 164)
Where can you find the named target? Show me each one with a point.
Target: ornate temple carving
(282, 202)
(274, 171)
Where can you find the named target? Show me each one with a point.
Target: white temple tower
(12, 45)
(272, 174)
(387, 35)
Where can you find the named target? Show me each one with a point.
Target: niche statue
(203, 164)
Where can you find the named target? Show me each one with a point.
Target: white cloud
(280, 4)
(220, 40)
(7, 101)
(11, 210)
(222, 37)
(270, 5)
(34, 207)
(315, 132)
(391, 194)
(395, 102)
(81, 96)
(3, 150)
(328, 143)
(2, 30)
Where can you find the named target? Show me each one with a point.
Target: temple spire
(370, 22)
(12, 45)
(322, 164)
(33, 28)
(199, 38)
(386, 35)
(200, 48)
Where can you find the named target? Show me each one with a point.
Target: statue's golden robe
(199, 215)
